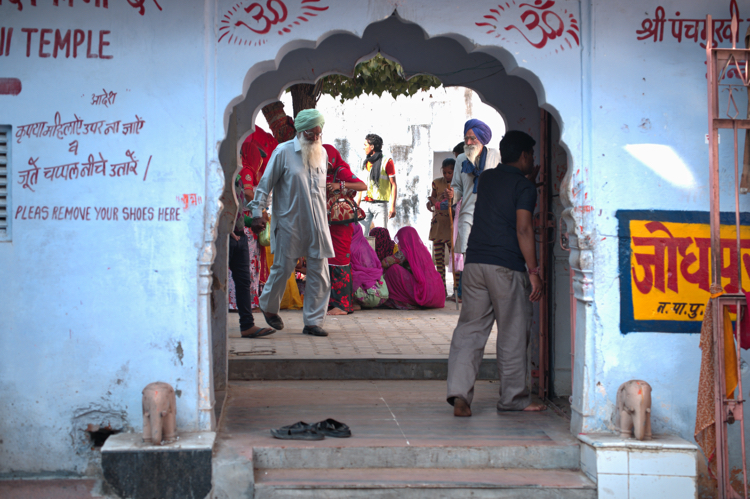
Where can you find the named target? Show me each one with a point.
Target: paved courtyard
(365, 334)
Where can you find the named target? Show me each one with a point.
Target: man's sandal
(332, 428)
(297, 431)
(263, 331)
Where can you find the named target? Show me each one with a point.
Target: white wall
(91, 311)
(94, 310)
(646, 92)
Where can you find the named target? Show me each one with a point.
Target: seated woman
(411, 276)
(384, 245)
(368, 284)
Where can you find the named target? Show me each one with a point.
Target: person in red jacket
(342, 296)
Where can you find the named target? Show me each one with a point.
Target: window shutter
(5, 138)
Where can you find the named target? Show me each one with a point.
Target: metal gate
(728, 406)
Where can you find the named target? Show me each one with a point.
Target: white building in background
(418, 133)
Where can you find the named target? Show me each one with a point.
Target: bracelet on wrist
(534, 271)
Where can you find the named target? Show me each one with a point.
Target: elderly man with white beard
(476, 158)
(296, 174)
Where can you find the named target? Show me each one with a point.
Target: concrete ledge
(408, 483)
(234, 473)
(631, 469)
(419, 457)
(252, 369)
(178, 470)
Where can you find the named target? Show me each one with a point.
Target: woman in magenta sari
(411, 276)
(368, 283)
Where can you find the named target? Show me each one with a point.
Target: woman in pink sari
(368, 283)
(411, 276)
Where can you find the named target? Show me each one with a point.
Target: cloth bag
(372, 297)
(340, 206)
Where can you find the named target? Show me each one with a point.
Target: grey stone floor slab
(365, 334)
(405, 443)
(401, 423)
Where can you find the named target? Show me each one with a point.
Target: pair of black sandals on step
(316, 431)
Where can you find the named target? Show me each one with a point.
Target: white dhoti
(317, 288)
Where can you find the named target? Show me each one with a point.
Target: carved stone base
(178, 470)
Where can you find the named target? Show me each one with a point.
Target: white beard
(472, 152)
(313, 153)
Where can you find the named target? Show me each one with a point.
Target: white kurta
(299, 226)
(463, 188)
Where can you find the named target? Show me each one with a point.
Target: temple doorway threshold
(367, 345)
(405, 443)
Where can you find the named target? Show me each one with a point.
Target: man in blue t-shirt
(500, 280)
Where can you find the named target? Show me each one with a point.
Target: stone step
(405, 443)
(414, 483)
(419, 457)
(242, 368)
(398, 423)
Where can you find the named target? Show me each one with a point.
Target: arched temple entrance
(454, 60)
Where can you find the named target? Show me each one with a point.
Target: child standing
(440, 229)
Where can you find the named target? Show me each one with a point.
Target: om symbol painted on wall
(244, 22)
(539, 24)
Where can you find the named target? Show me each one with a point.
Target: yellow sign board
(665, 268)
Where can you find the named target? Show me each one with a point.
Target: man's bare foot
(336, 311)
(356, 307)
(460, 408)
(535, 407)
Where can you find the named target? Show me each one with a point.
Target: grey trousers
(317, 288)
(492, 293)
(374, 211)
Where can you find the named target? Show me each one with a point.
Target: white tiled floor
(614, 487)
(661, 487)
(662, 468)
(588, 461)
(609, 461)
(662, 463)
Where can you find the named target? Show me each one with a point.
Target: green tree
(375, 76)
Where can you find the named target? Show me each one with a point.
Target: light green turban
(307, 119)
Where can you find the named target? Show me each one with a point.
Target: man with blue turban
(296, 173)
(475, 159)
